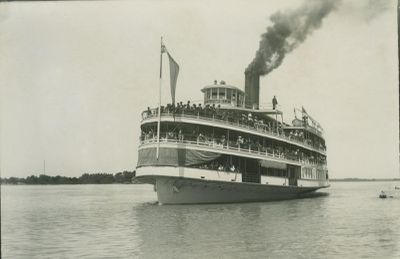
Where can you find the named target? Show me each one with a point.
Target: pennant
(173, 75)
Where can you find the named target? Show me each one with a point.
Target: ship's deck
(213, 146)
(256, 129)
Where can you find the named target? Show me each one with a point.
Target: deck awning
(175, 157)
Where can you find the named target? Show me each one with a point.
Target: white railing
(258, 127)
(244, 150)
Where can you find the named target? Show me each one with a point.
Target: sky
(75, 76)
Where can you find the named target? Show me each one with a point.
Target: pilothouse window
(229, 94)
(214, 93)
(222, 93)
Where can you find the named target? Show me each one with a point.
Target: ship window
(222, 93)
(209, 94)
(240, 99)
(214, 93)
(228, 94)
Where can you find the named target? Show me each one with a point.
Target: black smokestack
(288, 30)
(252, 90)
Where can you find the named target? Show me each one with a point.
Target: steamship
(230, 149)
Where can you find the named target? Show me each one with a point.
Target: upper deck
(264, 127)
(225, 107)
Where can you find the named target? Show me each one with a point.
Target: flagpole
(159, 102)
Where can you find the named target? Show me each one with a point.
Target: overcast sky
(75, 77)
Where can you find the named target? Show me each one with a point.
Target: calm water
(123, 221)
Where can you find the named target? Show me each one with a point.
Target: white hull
(180, 190)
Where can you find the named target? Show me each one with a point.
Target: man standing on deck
(274, 102)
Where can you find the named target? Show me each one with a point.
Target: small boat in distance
(382, 195)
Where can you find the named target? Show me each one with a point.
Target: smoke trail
(289, 29)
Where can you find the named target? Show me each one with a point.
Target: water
(124, 221)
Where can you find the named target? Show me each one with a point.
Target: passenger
(240, 140)
(274, 102)
(201, 137)
(180, 136)
(221, 141)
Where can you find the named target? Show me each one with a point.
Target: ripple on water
(125, 221)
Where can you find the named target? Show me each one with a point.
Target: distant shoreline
(124, 178)
(364, 180)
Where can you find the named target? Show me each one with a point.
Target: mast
(159, 101)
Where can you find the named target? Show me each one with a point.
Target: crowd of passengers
(243, 118)
(214, 165)
(239, 142)
(193, 109)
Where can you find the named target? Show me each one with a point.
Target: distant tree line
(363, 179)
(98, 178)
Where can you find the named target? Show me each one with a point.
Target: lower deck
(290, 179)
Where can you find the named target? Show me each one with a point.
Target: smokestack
(252, 89)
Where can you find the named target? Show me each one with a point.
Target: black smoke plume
(288, 30)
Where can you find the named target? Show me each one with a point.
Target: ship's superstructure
(229, 149)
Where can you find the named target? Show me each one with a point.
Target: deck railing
(236, 148)
(256, 127)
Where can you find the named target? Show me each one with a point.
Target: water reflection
(208, 230)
